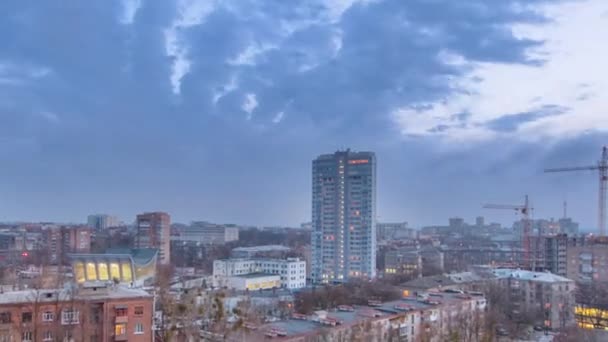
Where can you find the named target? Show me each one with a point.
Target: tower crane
(525, 211)
(602, 168)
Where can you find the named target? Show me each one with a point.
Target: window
(120, 312)
(139, 310)
(48, 316)
(5, 317)
(48, 336)
(120, 329)
(139, 328)
(26, 336)
(70, 316)
(26, 317)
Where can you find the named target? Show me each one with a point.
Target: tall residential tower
(343, 216)
(154, 231)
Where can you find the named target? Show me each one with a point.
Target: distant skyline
(214, 110)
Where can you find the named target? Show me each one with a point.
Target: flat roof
(51, 295)
(295, 327)
(263, 248)
(545, 277)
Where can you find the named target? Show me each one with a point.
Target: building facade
(60, 241)
(95, 313)
(548, 297)
(588, 262)
(292, 271)
(395, 231)
(102, 221)
(432, 317)
(207, 233)
(154, 231)
(343, 239)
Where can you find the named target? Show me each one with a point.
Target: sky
(214, 109)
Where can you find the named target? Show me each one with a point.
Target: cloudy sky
(214, 109)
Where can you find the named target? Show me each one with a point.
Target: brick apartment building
(60, 241)
(92, 313)
(154, 231)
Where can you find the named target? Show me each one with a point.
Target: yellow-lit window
(120, 329)
(115, 271)
(126, 272)
(91, 271)
(102, 268)
(79, 272)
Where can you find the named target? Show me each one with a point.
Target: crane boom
(602, 168)
(568, 169)
(527, 261)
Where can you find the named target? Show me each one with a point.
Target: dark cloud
(125, 143)
(510, 123)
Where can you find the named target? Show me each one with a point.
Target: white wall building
(291, 270)
(208, 233)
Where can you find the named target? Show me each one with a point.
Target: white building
(254, 282)
(208, 233)
(292, 271)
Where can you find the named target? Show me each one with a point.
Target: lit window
(139, 328)
(120, 329)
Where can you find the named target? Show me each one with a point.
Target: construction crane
(525, 211)
(602, 168)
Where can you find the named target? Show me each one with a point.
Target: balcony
(122, 337)
(121, 319)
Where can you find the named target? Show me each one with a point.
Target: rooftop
(140, 256)
(52, 295)
(529, 275)
(264, 248)
(312, 324)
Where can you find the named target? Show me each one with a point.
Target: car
(538, 328)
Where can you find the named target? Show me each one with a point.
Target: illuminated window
(126, 272)
(115, 271)
(102, 267)
(79, 272)
(120, 329)
(91, 271)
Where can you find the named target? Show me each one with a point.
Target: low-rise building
(546, 296)
(258, 251)
(292, 271)
(253, 282)
(413, 260)
(92, 312)
(436, 316)
(122, 265)
(207, 233)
